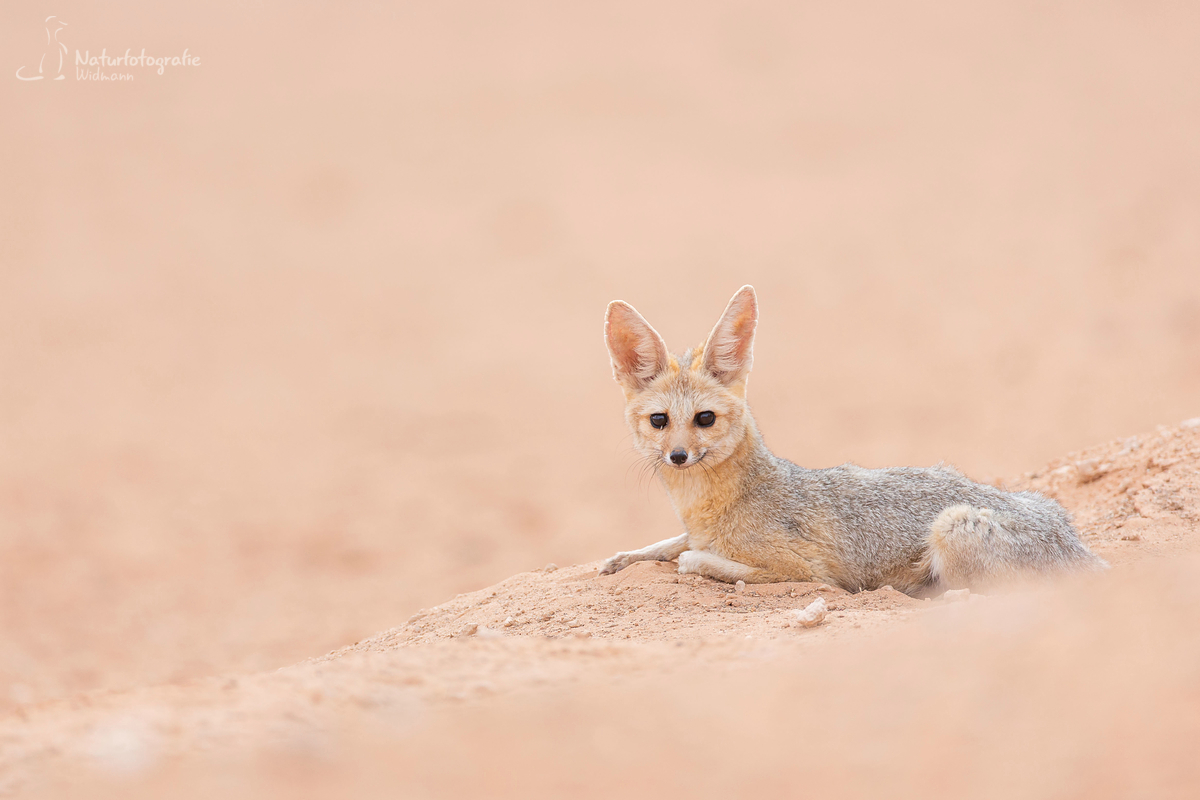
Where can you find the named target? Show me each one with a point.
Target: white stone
(811, 615)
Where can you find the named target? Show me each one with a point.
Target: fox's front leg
(666, 550)
(719, 568)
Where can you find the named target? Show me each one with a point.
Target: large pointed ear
(638, 353)
(729, 351)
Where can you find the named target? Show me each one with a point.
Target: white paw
(615, 564)
(689, 562)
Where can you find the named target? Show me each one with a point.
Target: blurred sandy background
(307, 337)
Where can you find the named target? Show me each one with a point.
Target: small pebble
(740, 586)
(471, 629)
(810, 616)
(508, 622)
(1091, 469)
(550, 567)
(954, 595)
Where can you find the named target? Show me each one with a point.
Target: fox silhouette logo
(54, 56)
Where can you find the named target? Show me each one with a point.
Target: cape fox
(749, 515)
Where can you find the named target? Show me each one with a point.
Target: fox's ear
(729, 351)
(638, 353)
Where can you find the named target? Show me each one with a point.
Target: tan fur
(749, 515)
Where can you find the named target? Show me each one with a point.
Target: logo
(54, 56)
(90, 67)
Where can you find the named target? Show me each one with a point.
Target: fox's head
(688, 409)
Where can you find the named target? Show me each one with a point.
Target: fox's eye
(658, 420)
(705, 418)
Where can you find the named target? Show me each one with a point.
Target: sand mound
(647, 601)
(1131, 497)
(559, 681)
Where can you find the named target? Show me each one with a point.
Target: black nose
(678, 456)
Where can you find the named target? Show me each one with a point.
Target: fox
(749, 515)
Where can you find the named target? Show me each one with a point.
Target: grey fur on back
(881, 518)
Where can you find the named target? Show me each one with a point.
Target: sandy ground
(307, 338)
(562, 682)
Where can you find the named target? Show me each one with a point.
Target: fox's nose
(678, 456)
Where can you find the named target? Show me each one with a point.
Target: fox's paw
(690, 562)
(617, 563)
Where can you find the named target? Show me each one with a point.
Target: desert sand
(560, 682)
(306, 338)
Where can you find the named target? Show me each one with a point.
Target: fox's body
(749, 515)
